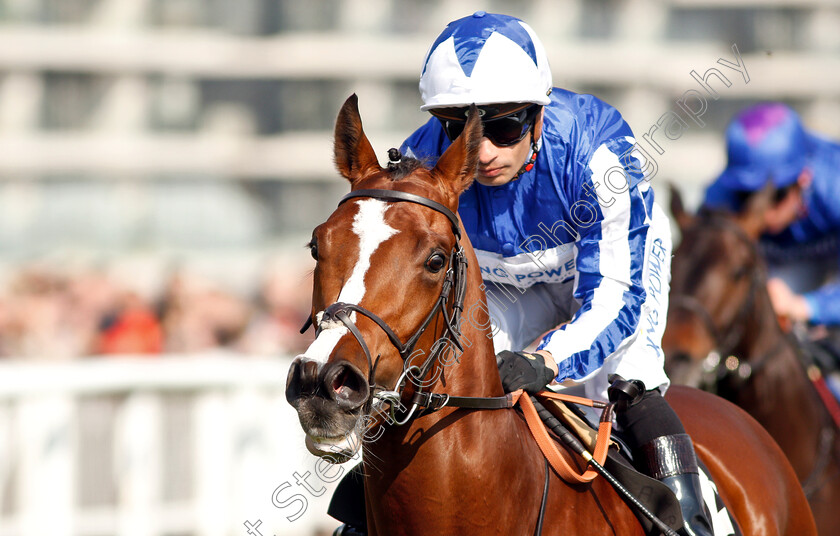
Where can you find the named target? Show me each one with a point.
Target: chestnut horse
(723, 335)
(392, 267)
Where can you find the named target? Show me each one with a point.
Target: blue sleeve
(426, 143)
(825, 186)
(825, 304)
(824, 207)
(613, 222)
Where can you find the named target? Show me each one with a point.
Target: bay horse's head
(716, 278)
(387, 282)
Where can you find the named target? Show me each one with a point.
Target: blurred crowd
(51, 313)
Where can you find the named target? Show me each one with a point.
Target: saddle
(584, 422)
(655, 496)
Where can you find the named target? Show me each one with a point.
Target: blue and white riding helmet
(485, 59)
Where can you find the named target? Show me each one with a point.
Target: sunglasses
(503, 131)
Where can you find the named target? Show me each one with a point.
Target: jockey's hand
(786, 303)
(522, 370)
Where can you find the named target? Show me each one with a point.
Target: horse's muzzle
(330, 399)
(339, 382)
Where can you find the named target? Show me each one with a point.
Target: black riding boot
(671, 460)
(661, 449)
(348, 504)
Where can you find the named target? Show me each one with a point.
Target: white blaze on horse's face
(369, 225)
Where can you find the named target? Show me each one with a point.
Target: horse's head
(716, 277)
(389, 268)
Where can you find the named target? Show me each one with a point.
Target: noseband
(454, 283)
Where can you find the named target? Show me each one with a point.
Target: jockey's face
(498, 165)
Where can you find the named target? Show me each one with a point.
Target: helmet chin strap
(532, 158)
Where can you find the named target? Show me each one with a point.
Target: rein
(828, 433)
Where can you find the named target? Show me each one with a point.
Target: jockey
(801, 230)
(566, 230)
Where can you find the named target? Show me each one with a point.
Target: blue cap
(764, 142)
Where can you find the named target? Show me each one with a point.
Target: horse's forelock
(405, 167)
(419, 172)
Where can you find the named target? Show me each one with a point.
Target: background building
(153, 146)
(205, 125)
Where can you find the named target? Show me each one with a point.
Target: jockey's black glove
(521, 370)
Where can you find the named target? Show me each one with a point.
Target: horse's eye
(436, 262)
(740, 272)
(313, 248)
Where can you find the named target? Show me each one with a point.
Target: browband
(411, 198)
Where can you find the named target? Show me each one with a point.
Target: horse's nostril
(346, 386)
(302, 379)
(345, 383)
(339, 383)
(293, 383)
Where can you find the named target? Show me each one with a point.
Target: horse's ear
(354, 155)
(683, 218)
(751, 217)
(456, 166)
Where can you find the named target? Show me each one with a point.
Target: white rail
(154, 447)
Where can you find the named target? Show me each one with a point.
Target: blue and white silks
(582, 222)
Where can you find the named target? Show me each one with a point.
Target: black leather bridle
(454, 284)
(452, 294)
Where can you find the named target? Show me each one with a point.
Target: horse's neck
(477, 459)
(762, 333)
(419, 458)
(779, 392)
